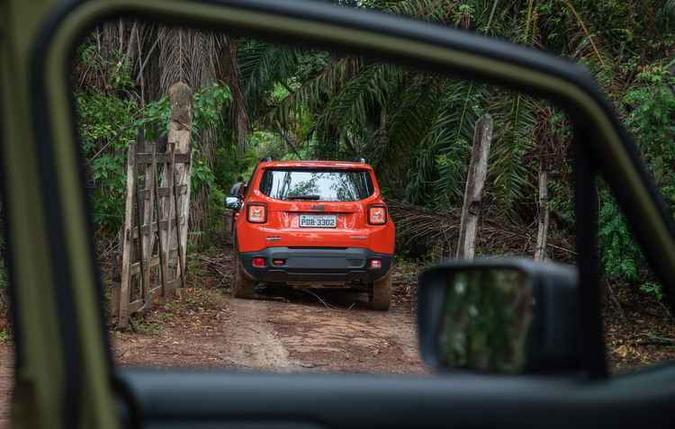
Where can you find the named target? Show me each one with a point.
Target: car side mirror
(233, 203)
(510, 316)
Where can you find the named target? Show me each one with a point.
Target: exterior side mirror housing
(233, 203)
(509, 316)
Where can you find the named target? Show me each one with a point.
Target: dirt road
(283, 332)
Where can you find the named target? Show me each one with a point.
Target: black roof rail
(265, 159)
(360, 159)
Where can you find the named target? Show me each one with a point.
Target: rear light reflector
(278, 262)
(375, 264)
(258, 262)
(256, 213)
(377, 215)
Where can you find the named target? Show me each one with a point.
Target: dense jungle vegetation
(254, 98)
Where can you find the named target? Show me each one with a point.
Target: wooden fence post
(542, 216)
(147, 220)
(180, 132)
(169, 239)
(475, 182)
(127, 240)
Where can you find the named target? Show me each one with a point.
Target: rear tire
(381, 294)
(242, 285)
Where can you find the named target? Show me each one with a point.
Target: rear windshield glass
(316, 185)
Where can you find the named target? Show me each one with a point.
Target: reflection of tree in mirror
(487, 314)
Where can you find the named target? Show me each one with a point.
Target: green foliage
(515, 124)
(154, 119)
(267, 143)
(228, 164)
(110, 122)
(621, 258)
(416, 129)
(202, 174)
(654, 289)
(208, 106)
(107, 127)
(651, 109)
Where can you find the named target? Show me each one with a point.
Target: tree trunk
(542, 216)
(229, 72)
(475, 182)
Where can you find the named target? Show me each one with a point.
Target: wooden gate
(153, 261)
(154, 237)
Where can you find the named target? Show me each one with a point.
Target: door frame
(58, 306)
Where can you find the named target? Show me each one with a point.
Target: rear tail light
(258, 262)
(256, 213)
(377, 215)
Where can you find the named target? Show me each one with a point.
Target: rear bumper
(317, 266)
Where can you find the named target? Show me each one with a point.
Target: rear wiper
(303, 197)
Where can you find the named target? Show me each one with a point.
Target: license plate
(318, 221)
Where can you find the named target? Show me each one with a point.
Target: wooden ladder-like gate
(155, 217)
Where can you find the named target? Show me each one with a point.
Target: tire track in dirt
(231, 336)
(253, 343)
(330, 339)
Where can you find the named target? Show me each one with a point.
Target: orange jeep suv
(313, 224)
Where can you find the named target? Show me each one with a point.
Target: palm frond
(515, 124)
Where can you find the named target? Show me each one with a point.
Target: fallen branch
(325, 304)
